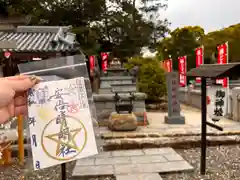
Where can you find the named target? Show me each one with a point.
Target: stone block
(93, 170)
(124, 87)
(127, 153)
(112, 161)
(139, 104)
(173, 157)
(148, 159)
(85, 162)
(99, 105)
(139, 176)
(110, 97)
(102, 155)
(174, 119)
(122, 122)
(171, 166)
(126, 169)
(104, 114)
(138, 109)
(110, 105)
(104, 90)
(116, 78)
(160, 151)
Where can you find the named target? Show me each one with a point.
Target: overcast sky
(209, 14)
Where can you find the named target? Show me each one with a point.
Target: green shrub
(151, 78)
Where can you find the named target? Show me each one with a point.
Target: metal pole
(204, 127)
(63, 171)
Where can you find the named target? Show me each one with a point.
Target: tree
(151, 77)
(97, 25)
(124, 30)
(215, 38)
(182, 41)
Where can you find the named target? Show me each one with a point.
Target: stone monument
(118, 81)
(174, 116)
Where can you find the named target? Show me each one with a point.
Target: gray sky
(209, 14)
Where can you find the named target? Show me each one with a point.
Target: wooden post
(8, 154)
(20, 139)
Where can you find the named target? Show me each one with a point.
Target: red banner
(91, 64)
(222, 59)
(104, 56)
(199, 59)
(182, 68)
(168, 65)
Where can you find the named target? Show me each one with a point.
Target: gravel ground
(223, 163)
(16, 171)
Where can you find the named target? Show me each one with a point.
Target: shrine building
(20, 43)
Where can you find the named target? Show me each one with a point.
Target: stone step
(107, 90)
(107, 81)
(140, 176)
(174, 142)
(117, 72)
(124, 88)
(125, 162)
(116, 78)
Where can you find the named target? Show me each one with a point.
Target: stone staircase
(107, 82)
(117, 79)
(132, 164)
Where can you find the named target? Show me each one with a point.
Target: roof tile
(36, 39)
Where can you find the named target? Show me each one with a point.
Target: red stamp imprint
(73, 108)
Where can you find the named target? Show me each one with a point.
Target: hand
(13, 95)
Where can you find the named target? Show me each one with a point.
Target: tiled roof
(215, 70)
(40, 39)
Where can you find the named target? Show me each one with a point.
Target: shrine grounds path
(192, 125)
(223, 161)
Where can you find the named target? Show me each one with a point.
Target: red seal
(208, 100)
(73, 108)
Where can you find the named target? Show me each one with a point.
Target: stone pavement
(192, 124)
(132, 164)
(140, 176)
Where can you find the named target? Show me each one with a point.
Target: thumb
(21, 85)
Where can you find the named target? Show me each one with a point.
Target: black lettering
(31, 121)
(31, 101)
(220, 94)
(37, 164)
(65, 150)
(42, 95)
(218, 112)
(34, 140)
(219, 102)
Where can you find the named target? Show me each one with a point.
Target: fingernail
(35, 78)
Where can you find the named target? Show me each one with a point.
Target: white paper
(211, 108)
(60, 123)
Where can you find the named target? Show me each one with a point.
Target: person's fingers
(4, 115)
(11, 108)
(23, 84)
(18, 77)
(20, 100)
(6, 94)
(20, 110)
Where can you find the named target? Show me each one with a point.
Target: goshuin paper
(60, 123)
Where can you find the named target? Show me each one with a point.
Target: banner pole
(228, 90)
(202, 54)
(20, 140)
